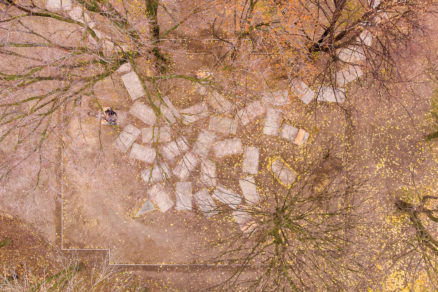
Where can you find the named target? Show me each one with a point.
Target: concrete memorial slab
(300, 89)
(186, 165)
(175, 148)
(352, 54)
(249, 190)
(276, 98)
(272, 122)
(331, 94)
(302, 137)
(366, 38)
(168, 110)
(147, 207)
(284, 174)
(156, 134)
(250, 160)
(124, 68)
(223, 125)
(208, 173)
(227, 197)
(159, 172)
(228, 147)
(288, 132)
(143, 113)
(250, 112)
(205, 203)
(192, 114)
(133, 85)
(203, 143)
(54, 5)
(142, 153)
(126, 138)
(347, 75)
(159, 195)
(219, 103)
(183, 193)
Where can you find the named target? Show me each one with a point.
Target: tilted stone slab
(126, 138)
(203, 143)
(175, 148)
(205, 203)
(250, 160)
(126, 67)
(347, 75)
(219, 103)
(288, 132)
(155, 134)
(208, 173)
(228, 147)
(352, 54)
(276, 98)
(272, 122)
(366, 38)
(147, 207)
(192, 114)
(249, 190)
(329, 94)
(302, 137)
(183, 193)
(159, 195)
(223, 125)
(282, 172)
(186, 165)
(244, 220)
(227, 197)
(54, 5)
(159, 172)
(142, 153)
(300, 89)
(168, 110)
(143, 113)
(133, 85)
(250, 112)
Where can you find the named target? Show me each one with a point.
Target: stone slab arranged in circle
(288, 132)
(186, 165)
(300, 89)
(276, 98)
(330, 94)
(250, 112)
(133, 85)
(228, 147)
(147, 207)
(352, 54)
(53, 5)
(124, 68)
(175, 148)
(223, 125)
(126, 138)
(143, 113)
(301, 138)
(142, 153)
(192, 114)
(249, 190)
(272, 122)
(208, 173)
(159, 195)
(347, 75)
(159, 172)
(156, 134)
(205, 203)
(183, 193)
(204, 143)
(219, 103)
(250, 162)
(168, 110)
(227, 197)
(284, 174)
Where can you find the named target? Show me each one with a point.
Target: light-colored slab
(147, 207)
(282, 172)
(205, 203)
(302, 137)
(250, 112)
(288, 132)
(276, 98)
(159, 172)
(175, 148)
(228, 147)
(300, 89)
(124, 68)
(250, 160)
(272, 122)
(126, 138)
(183, 194)
(142, 153)
(244, 220)
(219, 103)
(373, 3)
(186, 165)
(192, 114)
(347, 75)
(366, 38)
(154, 134)
(227, 197)
(352, 54)
(329, 94)
(223, 125)
(53, 5)
(168, 110)
(208, 173)
(249, 190)
(133, 85)
(160, 196)
(143, 113)
(203, 143)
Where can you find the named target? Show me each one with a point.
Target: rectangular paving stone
(301, 137)
(159, 172)
(183, 193)
(159, 195)
(205, 203)
(282, 172)
(329, 94)
(143, 113)
(272, 122)
(186, 165)
(126, 138)
(347, 75)
(204, 143)
(126, 67)
(142, 153)
(133, 85)
(147, 207)
(228, 147)
(250, 160)
(175, 148)
(249, 190)
(208, 173)
(300, 89)
(277, 98)
(227, 197)
(192, 114)
(288, 132)
(156, 134)
(352, 54)
(250, 112)
(168, 110)
(219, 103)
(223, 125)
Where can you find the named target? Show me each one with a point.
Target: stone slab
(301, 138)
(272, 122)
(208, 173)
(203, 143)
(205, 203)
(223, 125)
(347, 75)
(168, 110)
(300, 89)
(250, 112)
(366, 38)
(142, 153)
(249, 190)
(126, 138)
(186, 165)
(219, 103)
(159, 195)
(159, 172)
(147, 207)
(282, 172)
(133, 85)
(288, 132)
(250, 160)
(330, 94)
(143, 113)
(244, 220)
(196, 112)
(352, 54)
(175, 148)
(227, 197)
(183, 194)
(228, 147)
(124, 68)
(276, 98)
(156, 134)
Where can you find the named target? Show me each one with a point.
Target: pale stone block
(219, 103)
(147, 207)
(300, 89)
(288, 132)
(203, 143)
(352, 54)
(142, 153)
(160, 196)
(249, 190)
(76, 14)
(276, 98)
(347, 75)
(205, 203)
(155, 134)
(282, 172)
(53, 5)
(244, 220)
(227, 197)
(192, 114)
(228, 147)
(175, 148)
(124, 68)
(143, 113)
(223, 125)
(183, 192)
(208, 173)
(329, 94)
(366, 38)
(301, 138)
(159, 172)
(168, 110)
(66, 5)
(133, 85)
(272, 122)
(186, 165)
(126, 138)
(374, 3)
(250, 160)
(250, 112)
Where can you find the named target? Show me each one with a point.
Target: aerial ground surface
(250, 152)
